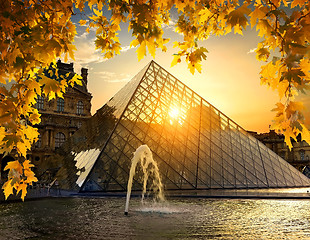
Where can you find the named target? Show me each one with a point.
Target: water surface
(103, 218)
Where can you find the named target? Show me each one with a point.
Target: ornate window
(40, 102)
(60, 138)
(38, 143)
(80, 107)
(302, 154)
(60, 105)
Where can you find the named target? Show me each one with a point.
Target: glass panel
(194, 144)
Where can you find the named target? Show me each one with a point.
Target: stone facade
(60, 118)
(299, 156)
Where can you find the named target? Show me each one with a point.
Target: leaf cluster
(33, 34)
(19, 177)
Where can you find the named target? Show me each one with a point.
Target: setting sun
(174, 112)
(176, 115)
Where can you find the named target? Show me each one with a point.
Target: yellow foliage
(22, 187)
(305, 133)
(82, 22)
(176, 59)
(7, 188)
(141, 51)
(20, 176)
(258, 14)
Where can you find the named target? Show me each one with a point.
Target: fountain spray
(149, 166)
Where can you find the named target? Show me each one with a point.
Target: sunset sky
(229, 79)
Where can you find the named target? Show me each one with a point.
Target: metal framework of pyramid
(195, 145)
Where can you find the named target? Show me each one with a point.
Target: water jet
(149, 167)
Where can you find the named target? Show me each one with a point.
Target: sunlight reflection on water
(103, 218)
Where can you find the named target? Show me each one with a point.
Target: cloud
(83, 36)
(87, 53)
(170, 25)
(113, 77)
(127, 48)
(251, 51)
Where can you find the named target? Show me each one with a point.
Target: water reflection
(103, 218)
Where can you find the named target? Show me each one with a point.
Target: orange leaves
(262, 52)
(76, 79)
(237, 18)
(295, 3)
(32, 36)
(15, 167)
(34, 117)
(7, 188)
(106, 34)
(51, 87)
(19, 177)
(192, 53)
(305, 133)
(22, 187)
(82, 22)
(141, 51)
(176, 59)
(258, 14)
(289, 121)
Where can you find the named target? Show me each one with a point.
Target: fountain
(149, 167)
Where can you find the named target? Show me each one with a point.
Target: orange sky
(229, 79)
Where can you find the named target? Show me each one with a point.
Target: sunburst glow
(174, 113)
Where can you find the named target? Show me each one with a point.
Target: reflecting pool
(103, 218)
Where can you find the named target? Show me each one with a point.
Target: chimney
(84, 73)
(67, 67)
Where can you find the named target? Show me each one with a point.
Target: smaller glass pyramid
(195, 145)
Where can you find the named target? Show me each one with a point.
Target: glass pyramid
(195, 145)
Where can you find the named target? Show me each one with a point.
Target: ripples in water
(103, 218)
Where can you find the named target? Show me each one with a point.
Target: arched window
(79, 124)
(40, 102)
(80, 107)
(302, 154)
(60, 105)
(38, 143)
(60, 138)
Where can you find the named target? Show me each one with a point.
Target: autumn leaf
(82, 22)
(27, 165)
(30, 178)
(176, 59)
(22, 187)
(257, 14)
(14, 165)
(35, 117)
(293, 108)
(141, 51)
(238, 17)
(151, 47)
(288, 134)
(7, 189)
(305, 133)
(295, 3)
